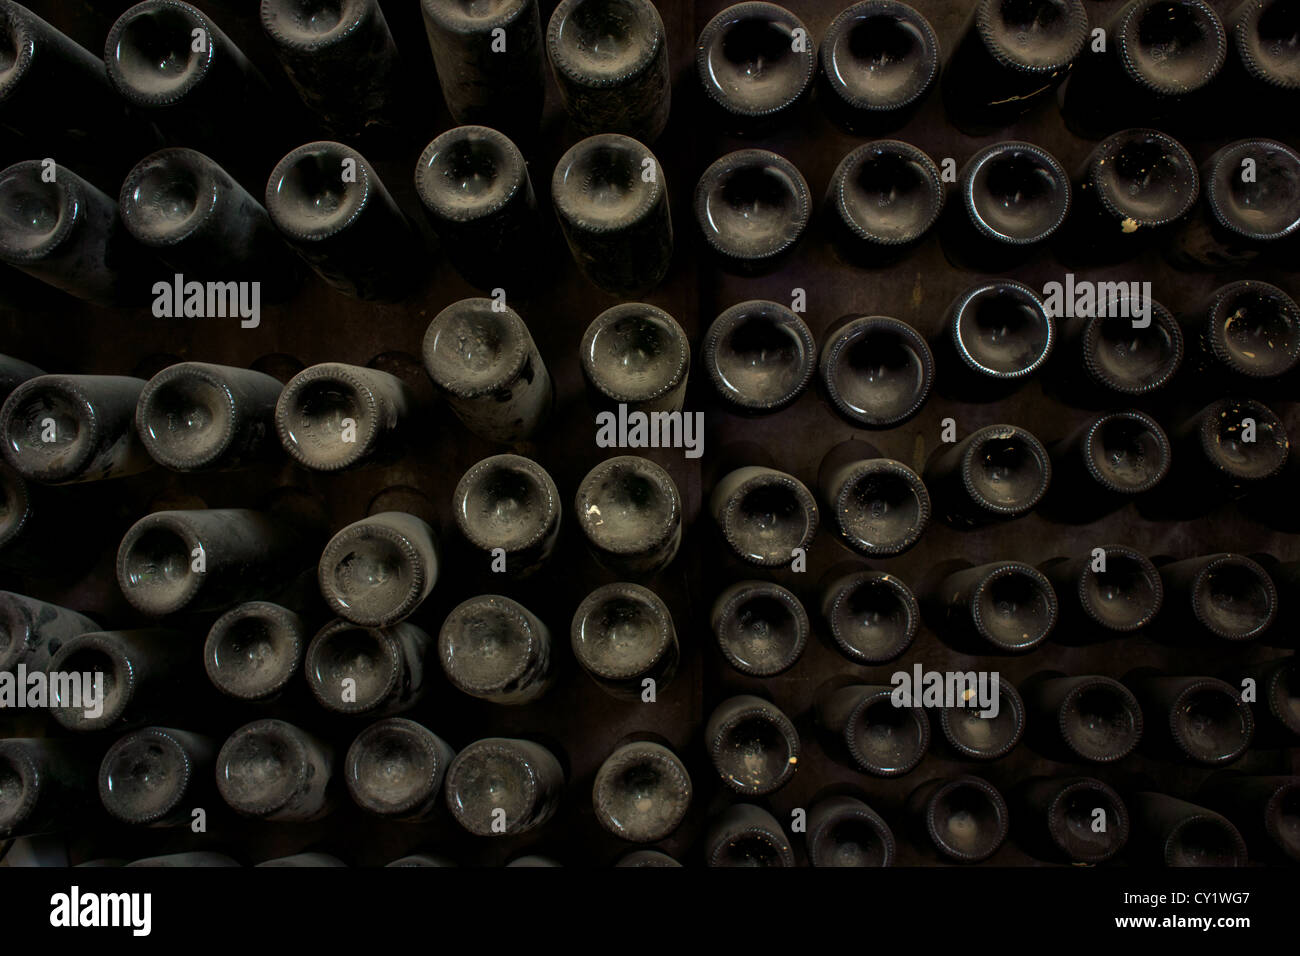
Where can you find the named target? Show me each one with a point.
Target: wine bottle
(844, 831)
(395, 768)
(1277, 696)
(485, 363)
(254, 650)
(752, 207)
(333, 416)
(623, 637)
(59, 429)
(964, 818)
(635, 354)
(761, 627)
(1198, 719)
(630, 513)
(1091, 718)
(1010, 59)
(496, 649)
(612, 204)
(48, 785)
(503, 787)
(610, 60)
(32, 630)
(508, 509)
(765, 515)
(755, 62)
(1173, 832)
(375, 572)
(362, 670)
(1231, 448)
(1228, 596)
(1112, 588)
(879, 507)
(1260, 72)
(753, 745)
(977, 734)
(876, 371)
(1073, 819)
(746, 835)
(331, 207)
(993, 337)
(275, 771)
(1106, 461)
(1263, 808)
(144, 675)
(760, 356)
(642, 792)
(877, 64)
(997, 473)
(883, 199)
(871, 616)
(1106, 356)
(156, 776)
(647, 858)
(1002, 606)
(880, 735)
(1247, 332)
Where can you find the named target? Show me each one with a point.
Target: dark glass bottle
(1227, 595)
(331, 207)
(612, 204)
(623, 635)
(1103, 357)
(156, 776)
(760, 356)
(342, 60)
(642, 792)
(1261, 71)
(1062, 821)
(880, 735)
(761, 627)
(964, 818)
(473, 183)
(1012, 198)
(31, 631)
(1107, 460)
(1132, 190)
(67, 233)
(765, 515)
(1263, 808)
(46, 785)
(876, 371)
(361, 670)
(975, 734)
(1249, 212)
(994, 336)
(59, 429)
(844, 831)
(630, 513)
(871, 616)
(877, 63)
(503, 787)
(1246, 332)
(1011, 58)
(1002, 606)
(509, 504)
(254, 650)
(206, 559)
(877, 506)
(275, 771)
(1215, 461)
(635, 354)
(1277, 695)
(883, 199)
(1173, 832)
(145, 674)
(496, 649)
(1091, 718)
(753, 745)
(201, 223)
(746, 835)
(610, 59)
(1198, 719)
(997, 473)
(1111, 588)
(375, 572)
(484, 362)
(333, 416)
(1155, 69)
(395, 768)
(755, 61)
(200, 417)
(647, 858)
(752, 207)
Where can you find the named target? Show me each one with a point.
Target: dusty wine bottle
(746, 835)
(879, 507)
(1174, 832)
(31, 631)
(844, 831)
(1004, 606)
(59, 429)
(977, 734)
(395, 768)
(1102, 356)
(876, 371)
(610, 60)
(499, 786)
(1277, 696)
(1010, 59)
(997, 473)
(144, 676)
(1263, 808)
(473, 183)
(765, 515)
(761, 627)
(47, 785)
(508, 507)
(1229, 449)
(1073, 819)
(877, 63)
(497, 650)
(1107, 460)
(254, 650)
(1246, 332)
(755, 62)
(34, 525)
(994, 336)
(362, 670)
(642, 792)
(331, 207)
(752, 207)
(635, 354)
(275, 771)
(1091, 718)
(375, 572)
(1111, 588)
(630, 512)
(964, 818)
(333, 416)
(1261, 71)
(1198, 719)
(760, 356)
(1227, 595)
(489, 62)
(206, 559)
(484, 362)
(871, 616)
(878, 735)
(623, 637)
(883, 199)
(753, 745)
(156, 776)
